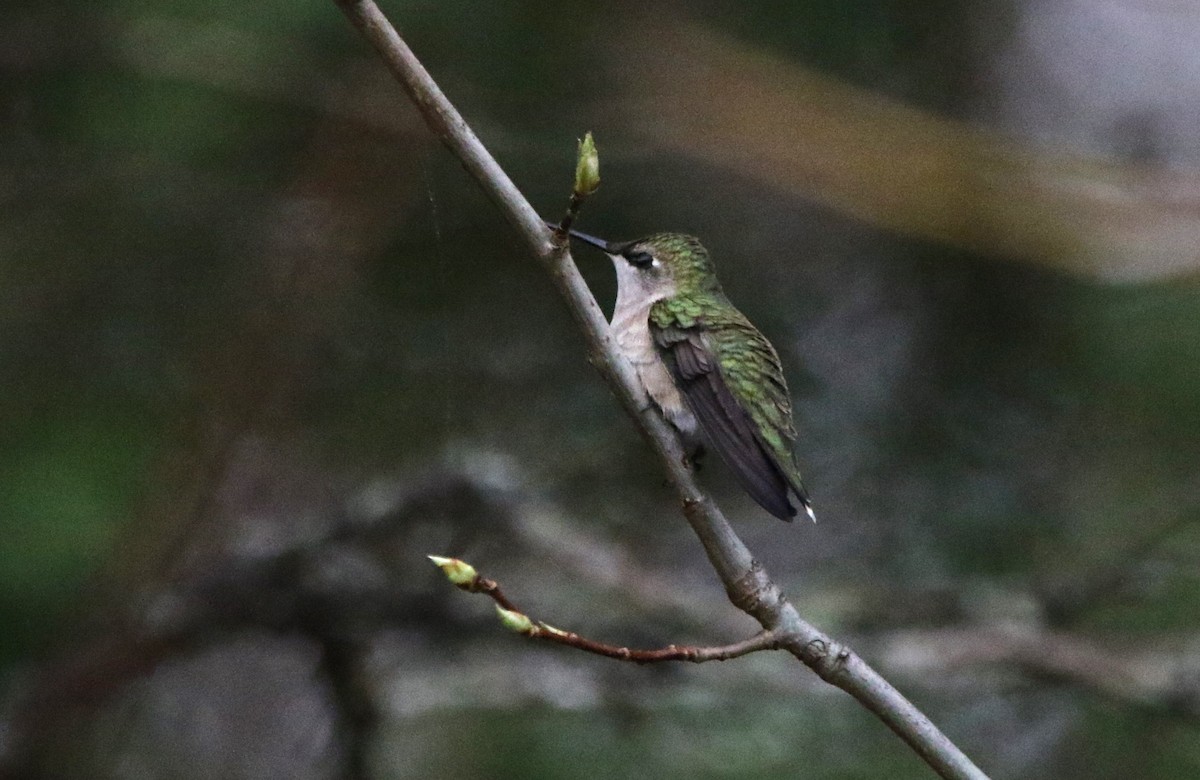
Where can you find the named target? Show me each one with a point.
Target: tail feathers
(802, 494)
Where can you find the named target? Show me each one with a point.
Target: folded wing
(694, 359)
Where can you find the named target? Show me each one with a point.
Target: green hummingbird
(706, 367)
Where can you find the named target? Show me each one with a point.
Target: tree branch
(1160, 673)
(465, 577)
(746, 581)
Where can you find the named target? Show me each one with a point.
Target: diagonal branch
(745, 580)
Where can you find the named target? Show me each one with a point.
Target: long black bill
(599, 243)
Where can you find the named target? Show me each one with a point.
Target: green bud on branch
(587, 169)
(458, 572)
(515, 621)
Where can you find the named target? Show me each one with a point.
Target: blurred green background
(264, 345)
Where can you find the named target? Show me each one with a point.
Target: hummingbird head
(661, 265)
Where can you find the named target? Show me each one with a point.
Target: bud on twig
(587, 169)
(515, 621)
(458, 572)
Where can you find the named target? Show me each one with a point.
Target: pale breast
(631, 329)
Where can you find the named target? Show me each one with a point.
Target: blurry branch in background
(290, 594)
(1072, 594)
(464, 577)
(1159, 675)
(252, 369)
(249, 367)
(745, 580)
(851, 149)
(903, 169)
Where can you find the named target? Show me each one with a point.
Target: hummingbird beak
(599, 243)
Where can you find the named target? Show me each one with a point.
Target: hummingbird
(713, 375)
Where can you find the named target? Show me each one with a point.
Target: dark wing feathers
(728, 427)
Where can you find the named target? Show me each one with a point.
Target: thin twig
(465, 577)
(568, 220)
(746, 582)
(587, 179)
(491, 588)
(765, 640)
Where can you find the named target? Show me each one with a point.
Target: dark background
(264, 345)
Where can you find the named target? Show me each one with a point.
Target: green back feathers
(728, 372)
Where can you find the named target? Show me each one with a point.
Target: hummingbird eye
(640, 259)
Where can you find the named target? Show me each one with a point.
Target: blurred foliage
(225, 232)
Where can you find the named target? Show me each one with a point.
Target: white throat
(635, 294)
(631, 329)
